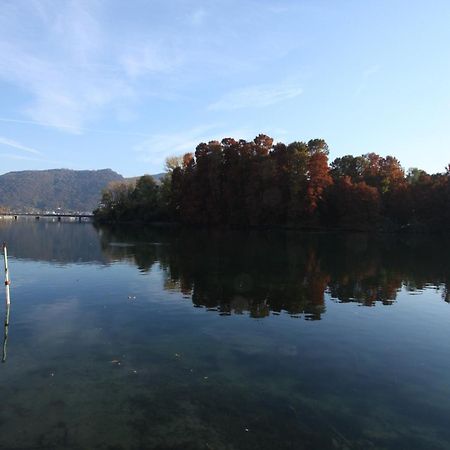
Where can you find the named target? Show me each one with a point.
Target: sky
(123, 84)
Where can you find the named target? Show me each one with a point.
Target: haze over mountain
(70, 190)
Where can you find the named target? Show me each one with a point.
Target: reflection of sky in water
(102, 354)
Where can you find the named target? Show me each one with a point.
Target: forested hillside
(70, 190)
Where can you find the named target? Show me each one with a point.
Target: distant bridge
(37, 216)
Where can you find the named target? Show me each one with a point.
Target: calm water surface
(142, 339)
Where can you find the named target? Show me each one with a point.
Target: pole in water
(7, 282)
(5, 336)
(8, 301)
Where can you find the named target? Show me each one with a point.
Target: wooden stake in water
(7, 282)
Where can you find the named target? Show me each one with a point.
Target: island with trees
(242, 184)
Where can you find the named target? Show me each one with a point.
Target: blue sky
(123, 84)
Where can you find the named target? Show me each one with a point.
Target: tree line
(238, 183)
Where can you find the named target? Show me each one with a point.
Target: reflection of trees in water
(369, 269)
(264, 272)
(46, 240)
(237, 272)
(137, 245)
(358, 271)
(255, 272)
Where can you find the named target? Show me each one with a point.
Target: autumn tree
(318, 179)
(354, 206)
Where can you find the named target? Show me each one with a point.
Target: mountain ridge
(54, 189)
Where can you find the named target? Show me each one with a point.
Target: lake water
(144, 339)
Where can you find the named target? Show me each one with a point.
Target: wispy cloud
(256, 96)
(159, 146)
(79, 61)
(73, 128)
(150, 58)
(26, 153)
(39, 123)
(367, 74)
(73, 80)
(17, 145)
(37, 159)
(20, 157)
(58, 98)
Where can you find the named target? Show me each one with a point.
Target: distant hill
(70, 190)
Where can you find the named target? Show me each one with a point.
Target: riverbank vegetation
(258, 184)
